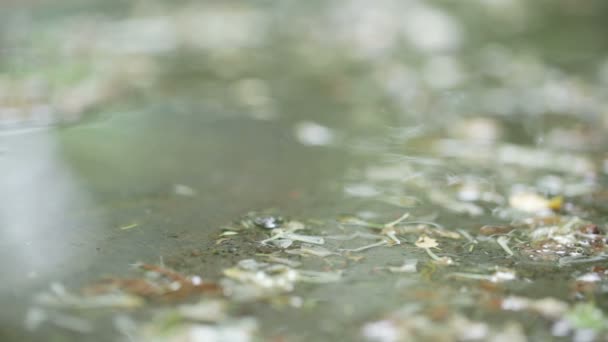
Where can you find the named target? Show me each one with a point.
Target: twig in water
(503, 243)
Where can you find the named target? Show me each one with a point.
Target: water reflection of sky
(41, 202)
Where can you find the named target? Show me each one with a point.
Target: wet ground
(164, 134)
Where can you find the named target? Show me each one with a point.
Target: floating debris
(472, 242)
(268, 222)
(287, 236)
(489, 230)
(256, 280)
(284, 236)
(268, 219)
(427, 243)
(400, 226)
(567, 240)
(129, 226)
(389, 228)
(159, 283)
(503, 242)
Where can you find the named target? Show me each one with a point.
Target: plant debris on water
(273, 275)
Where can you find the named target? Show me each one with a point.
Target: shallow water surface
(449, 185)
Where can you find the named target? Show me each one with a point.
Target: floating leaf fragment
(427, 243)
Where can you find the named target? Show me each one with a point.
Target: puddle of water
(169, 123)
